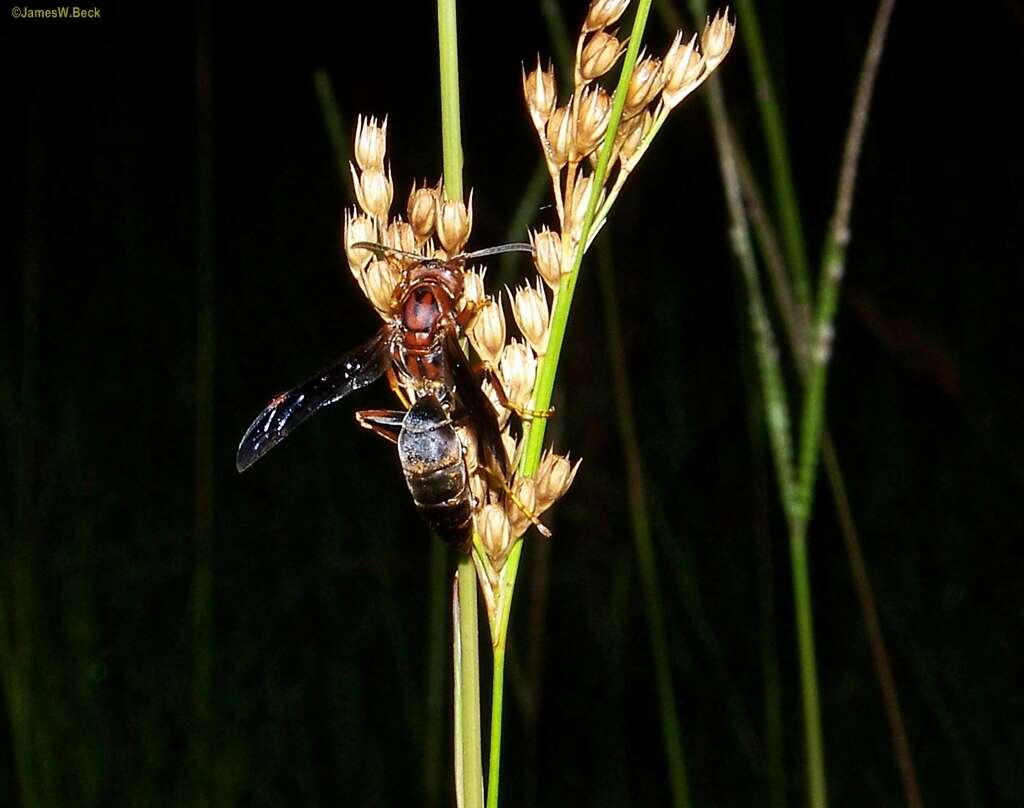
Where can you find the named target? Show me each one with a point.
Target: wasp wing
(476, 404)
(356, 369)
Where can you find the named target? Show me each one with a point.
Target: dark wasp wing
(477, 406)
(356, 369)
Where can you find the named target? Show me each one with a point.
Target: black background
(321, 568)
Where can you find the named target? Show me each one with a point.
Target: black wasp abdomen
(435, 470)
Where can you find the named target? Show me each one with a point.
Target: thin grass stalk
(795, 326)
(778, 152)
(433, 733)
(468, 691)
(549, 365)
(833, 264)
(333, 125)
(643, 546)
(205, 368)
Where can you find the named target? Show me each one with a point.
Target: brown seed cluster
(571, 135)
(437, 227)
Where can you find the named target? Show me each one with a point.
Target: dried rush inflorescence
(437, 228)
(572, 135)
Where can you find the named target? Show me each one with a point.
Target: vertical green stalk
(202, 571)
(468, 695)
(778, 152)
(636, 487)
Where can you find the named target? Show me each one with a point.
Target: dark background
(318, 622)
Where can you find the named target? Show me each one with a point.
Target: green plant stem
(334, 125)
(451, 126)
(643, 546)
(560, 316)
(778, 151)
(435, 678)
(832, 267)
(468, 740)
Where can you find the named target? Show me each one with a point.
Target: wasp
(418, 350)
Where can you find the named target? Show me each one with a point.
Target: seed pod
(594, 110)
(488, 331)
(453, 220)
(635, 130)
(400, 235)
(471, 447)
(600, 54)
(495, 532)
(644, 85)
(716, 38)
(379, 281)
(554, 476)
(518, 368)
(358, 228)
(577, 210)
(684, 69)
(473, 293)
(510, 444)
(371, 143)
(420, 210)
(547, 256)
(519, 513)
(540, 93)
(374, 191)
(560, 134)
(530, 309)
(603, 13)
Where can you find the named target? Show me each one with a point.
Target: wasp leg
(386, 423)
(534, 519)
(396, 387)
(503, 399)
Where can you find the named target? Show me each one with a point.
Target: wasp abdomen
(435, 470)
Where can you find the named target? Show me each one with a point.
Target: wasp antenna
(381, 250)
(503, 248)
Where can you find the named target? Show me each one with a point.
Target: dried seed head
(547, 256)
(716, 38)
(594, 111)
(488, 331)
(358, 228)
(530, 308)
(519, 513)
(495, 532)
(644, 85)
(603, 13)
(560, 134)
(684, 69)
(471, 446)
(454, 220)
(634, 132)
(510, 444)
(554, 476)
(541, 95)
(400, 235)
(478, 486)
(473, 292)
(379, 281)
(518, 368)
(600, 54)
(420, 210)
(371, 143)
(374, 191)
(577, 211)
